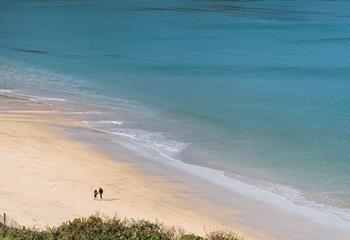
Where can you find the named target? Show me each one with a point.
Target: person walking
(100, 191)
(95, 194)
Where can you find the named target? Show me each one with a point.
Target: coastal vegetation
(96, 228)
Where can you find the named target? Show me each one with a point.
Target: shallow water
(256, 89)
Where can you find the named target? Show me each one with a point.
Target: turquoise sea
(259, 90)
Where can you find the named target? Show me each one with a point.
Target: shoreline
(49, 178)
(271, 192)
(140, 190)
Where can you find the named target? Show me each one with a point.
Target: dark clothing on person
(100, 191)
(95, 194)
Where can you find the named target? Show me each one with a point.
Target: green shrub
(5, 238)
(223, 235)
(190, 237)
(95, 228)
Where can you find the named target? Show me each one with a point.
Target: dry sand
(47, 178)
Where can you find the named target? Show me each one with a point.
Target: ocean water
(258, 91)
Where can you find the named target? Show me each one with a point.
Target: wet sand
(48, 178)
(50, 167)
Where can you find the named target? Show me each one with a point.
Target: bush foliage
(95, 228)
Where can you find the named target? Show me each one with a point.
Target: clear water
(257, 89)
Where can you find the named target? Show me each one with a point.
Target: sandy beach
(203, 115)
(47, 178)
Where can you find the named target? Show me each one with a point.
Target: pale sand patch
(47, 179)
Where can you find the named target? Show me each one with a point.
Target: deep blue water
(259, 89)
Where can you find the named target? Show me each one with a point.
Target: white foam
(16, 93)
(320, 213)
(282, 196)
(7, 91)
(40, 98)
(38, 81)
(85, 113)
(154, 140)
(111, 122)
